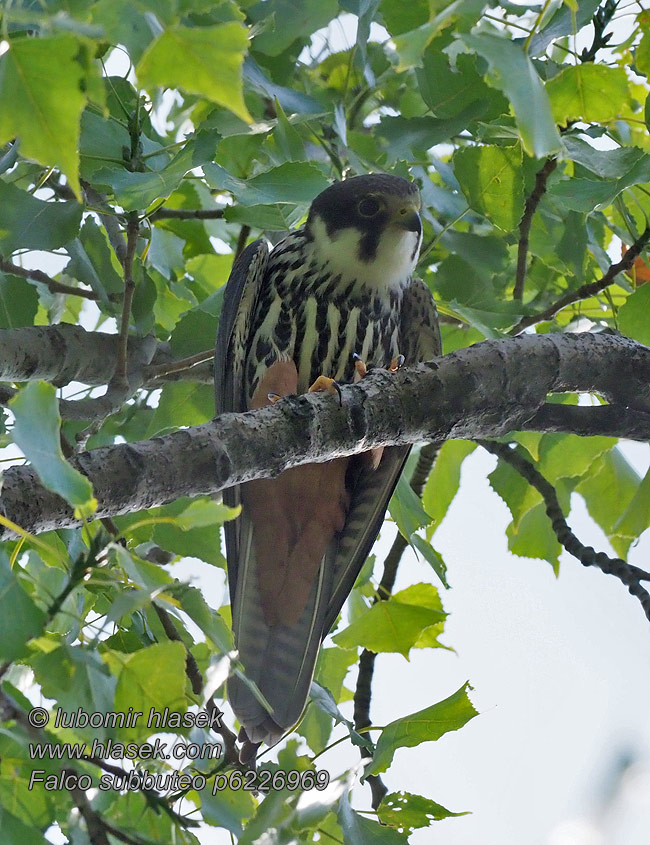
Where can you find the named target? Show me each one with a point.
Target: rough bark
(482, 391)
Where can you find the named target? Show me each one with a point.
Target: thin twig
(187, 214)
(526, 222)
(631, 576)
(94, 823)
(110, 220)
(39, 276)
(159, 370)
(363, 690)
(590, 289)
(244, 232)
(132, 230)
(191, 668)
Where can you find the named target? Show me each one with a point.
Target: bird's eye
(368, 207)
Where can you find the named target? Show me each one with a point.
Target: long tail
(279, 659)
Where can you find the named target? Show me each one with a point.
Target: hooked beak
(406, 217)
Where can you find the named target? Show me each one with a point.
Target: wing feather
(240, 297)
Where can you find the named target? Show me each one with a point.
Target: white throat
(395, 260)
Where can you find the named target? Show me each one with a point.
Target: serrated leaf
(135, 191)
(20, 618)
(28, 223)
(406, 509)
(636, 517)
(18, 302)
(611, 479)
(425, 725)
(408, 812)
(389, 626)
(209, 621)
(633, 316)
(359, 830)
(444, 479)
(512, 72)
(152, 678)
(492, 180)
(587, 91)
(291, 19)
(41, 99)
(37, 433)
(292, 182)
(206, 61)
(227, 808)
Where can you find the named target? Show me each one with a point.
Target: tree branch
(39, 276)
(590, 289)
(187, 214)
(159, 370)
(526, 222)
(631, 576)
(485, 390)
(64, 353)
(607, 420)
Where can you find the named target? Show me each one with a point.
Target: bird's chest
(320, 322)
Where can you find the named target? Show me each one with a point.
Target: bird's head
(368, 227)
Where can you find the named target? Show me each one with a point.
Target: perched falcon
(333, 293)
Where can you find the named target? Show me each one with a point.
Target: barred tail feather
(279, 659)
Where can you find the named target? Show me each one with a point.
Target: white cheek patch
(394, 262)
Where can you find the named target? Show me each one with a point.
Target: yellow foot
(328, 385)
(273, 397)
(396, 364)
(359, 365)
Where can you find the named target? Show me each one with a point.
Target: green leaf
(447, 91)
(37, 433)
(636, 517)
(359, 830)
(408, 812)
(426, 725)
(288, 139)
(389, 626)
(402, 17)
(227, 808)
(135, 191)
(291, 20)
(512, 72)
(633, 316)
(20, 619)
(12, 829)
(569, 456)
(182, 403)
(208, 620)
(610, 479)
(410, 46)
(91, 261)
(534, 537)
(406, 509)
(41, 99)
(444, 479)
(76, 677)
(28, 223)
(332, 667)
(129, 22)
(292, 182)
(492, 180)
(587, 91)
(206, 61)
(406, 136)
(18, 302)
(152, 678)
